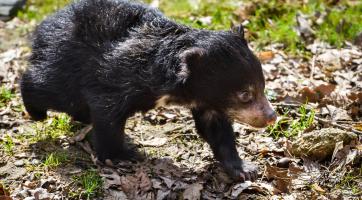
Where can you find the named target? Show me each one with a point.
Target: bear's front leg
(216, 129)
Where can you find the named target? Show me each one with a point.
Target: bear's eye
(245, 97)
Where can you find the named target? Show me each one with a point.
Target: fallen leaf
(136, 185)
(325, 89)
(338, 146)
(239, 188)
(3, 192)
(167, 181)
(265, 56)
(358, 126)
(82, 133)
(193, 192)
(161, 195)
(155, 142)
(309, 95)
(355, 96)
(317, 188)
(282, 181)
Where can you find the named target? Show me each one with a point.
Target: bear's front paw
(249, 171)
(244, 171)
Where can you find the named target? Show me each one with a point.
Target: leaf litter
(320, 162)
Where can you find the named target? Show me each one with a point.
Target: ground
(313, 151)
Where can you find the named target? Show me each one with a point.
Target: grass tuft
(270, 21)
(352, 181)
(39, 9)
(289, 127)
(5, 96)
(91, 184)
(53, 160)
(53, 128)
(8, 145)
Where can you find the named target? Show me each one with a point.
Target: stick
(334, 124)
(323, 121)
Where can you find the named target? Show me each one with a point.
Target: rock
(284, 162)
(41, 194)
(330, 60)
(358, 40)
(320, 144)
(193, 192)
(304, 28)
(21, 155)
(23, 194)
(45, 183)
(9, 8)
(19, 163)
(35, 162)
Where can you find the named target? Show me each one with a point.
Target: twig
(312, 68)
(294, 105)
(334, 124)
(323, 121)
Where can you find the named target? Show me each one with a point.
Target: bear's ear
(189, 58)
(239, 30)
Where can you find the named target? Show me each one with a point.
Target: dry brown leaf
(239, 188)
(265, 56)
(169, 182)
(112, 178)
(145, 184)
(193, 192)
(282, 179)
(4, 194)
(82, 133)
(358, 126)
(155, 142)
(317, 93)
(355, 96)
(309, 95)
(317, 188)
(138, 183)
(325, 89)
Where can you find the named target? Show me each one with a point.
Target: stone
(284, 162)
(320, 144)
(19, 163)
(9, 7)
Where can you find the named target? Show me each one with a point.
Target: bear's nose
(271, 117)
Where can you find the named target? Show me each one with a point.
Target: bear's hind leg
(33, 105)
(108, 125)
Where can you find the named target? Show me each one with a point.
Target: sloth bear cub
(101, 61)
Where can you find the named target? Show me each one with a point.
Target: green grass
(38, 9)
(221, 13)
(5, 96)
(352, 180)
(53, 128)
(8, 145)
(288, 127)
(341, 24)
(53, 160)
(270, 21)
(91, 184)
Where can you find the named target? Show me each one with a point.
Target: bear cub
(101, 61)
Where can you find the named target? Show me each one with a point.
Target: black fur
(101, 61)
